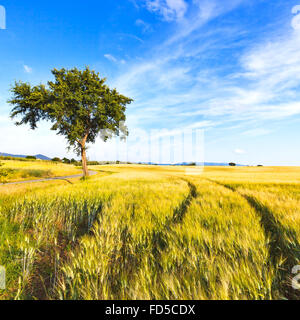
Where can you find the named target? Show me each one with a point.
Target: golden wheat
(150, 232)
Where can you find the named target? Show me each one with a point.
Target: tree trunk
(84, 162)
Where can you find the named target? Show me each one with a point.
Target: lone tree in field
(78, 103)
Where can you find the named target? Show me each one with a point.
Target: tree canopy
(79, 105)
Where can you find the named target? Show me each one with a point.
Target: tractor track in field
(42, 285)
(180, 212)
(280, 248)
(159, 238)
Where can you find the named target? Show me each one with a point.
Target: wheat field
(153, 232)
(21, 170)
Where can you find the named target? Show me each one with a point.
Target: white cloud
(110, 57)
(174, 86)
(169, 9)
(134, 3)
(168, 85)
(256, 132)
(266, 87)
(202, 12)
(146, 27)
(239, 151)
(113, 59)
(132, 36)
(296, 20)
(27, 69)
(2, 17)
(201, 124)
(296, 9)
(22, 140)
(271, 70)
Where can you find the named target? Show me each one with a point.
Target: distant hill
(38, 156)
(42, 157)
(215, 164)
(210, 164)
(206, 164)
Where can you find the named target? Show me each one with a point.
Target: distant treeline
(64, 160)
(79, 163)
(90, 163)
(100, 163)
(29, 158)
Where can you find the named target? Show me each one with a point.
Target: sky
(228, 69)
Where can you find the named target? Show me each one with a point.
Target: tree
(31, 157)
(56, 159)
(78, 103)
(232, 164)
(66, 160)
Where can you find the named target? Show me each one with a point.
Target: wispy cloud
(146, 27)
(27, 69)
(239, 151)
(134, 3)
(174, 79)
(187, 80)
(201, 12)
(267, 85)
(111, 58)
(2, 17)
(132, 36)
(169, 9)
(256, 132)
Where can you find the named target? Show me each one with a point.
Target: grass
(15, 170)
(150, 232)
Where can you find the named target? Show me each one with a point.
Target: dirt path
(92, 173)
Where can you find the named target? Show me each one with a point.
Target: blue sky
(228, 67)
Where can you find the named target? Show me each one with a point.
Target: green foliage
(35, 173)
(31, 157)
(78, 103)
(11, 243)
(4, 173)
(14, 158)
(93, 163)
(56, 159)
(231, 164)
(66, 160)
(85, 178)
(7, 174)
